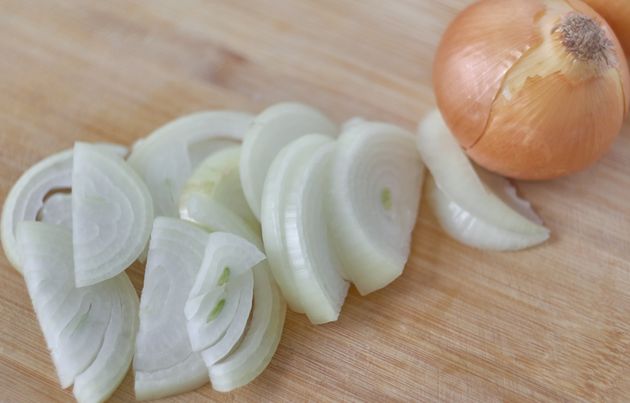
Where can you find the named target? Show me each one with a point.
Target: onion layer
(376, 180)
(26, 197)
(90, 331)
(168, 156)
(274, 128)
(112, 214)
(295, 235)
(164, 362)
(466, 207)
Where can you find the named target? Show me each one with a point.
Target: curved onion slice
(221, 298)
(165, 363)
(376, 181)
(91, 330)
(295, 233)
(470, 230)
(112, 214)
(26, 197)
(57, 209)
(168, 156)
(456, 177)
(218, 179)
(274, 128)
(261, 339)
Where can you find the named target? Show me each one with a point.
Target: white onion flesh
(90, 331)
(473, 231)
(295, 232)
(165, 363)
(456, 177)
(169, 155)
(273, 129)
(220, 301)
(27, 196)
(376, 179)
(57, 210)
(473, 206)
(112, 213)
(217, 181)
(253, 353)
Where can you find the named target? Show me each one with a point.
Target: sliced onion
(295, 233)
(373, 201)
(221, 298)
(26, 197)
(274, 128)
(168, 156)
(456, 177)
(475, 207)
(164, 362)
(259, 344)
(217, 180)
(473, 231)
(112, 214)
(57, 209)
(90, 331)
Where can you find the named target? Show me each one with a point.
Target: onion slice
(168, 156)
(90, 331)
(217, 182)
(221, 298)
(57, 210)
(261, 339)
(254, 351)
(27, 196)
(274, 128)
(295, 233)
(112, 214)
(373, 201)
(475, 207)
(165, 363)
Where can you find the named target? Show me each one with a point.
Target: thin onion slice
(373, 202)
(90, 331)
(224, 281)
(112, 214)
(217, 181)
(57, 210)
(295, 233)
(164, 362)
(168, 156)
(259, 344)
(456, 177)
(27, 196)
(473, 206)
(274, 128)
(473, 231)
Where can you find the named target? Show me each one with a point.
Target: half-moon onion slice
(90, 331)
(112, 213)
(376, 179)
(165, 363)
(28, 194)
(274, 128)
(168, 156)
(295, 229)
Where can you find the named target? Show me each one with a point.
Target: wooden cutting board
(548, 324)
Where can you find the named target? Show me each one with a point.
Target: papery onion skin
(617, 13)
(540, 121)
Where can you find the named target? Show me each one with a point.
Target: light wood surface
(549, 324)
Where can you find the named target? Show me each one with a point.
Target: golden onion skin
(524, 101)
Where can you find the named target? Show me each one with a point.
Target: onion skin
(518, 100)
(617, 13)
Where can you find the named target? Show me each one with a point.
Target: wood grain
(549, 324)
